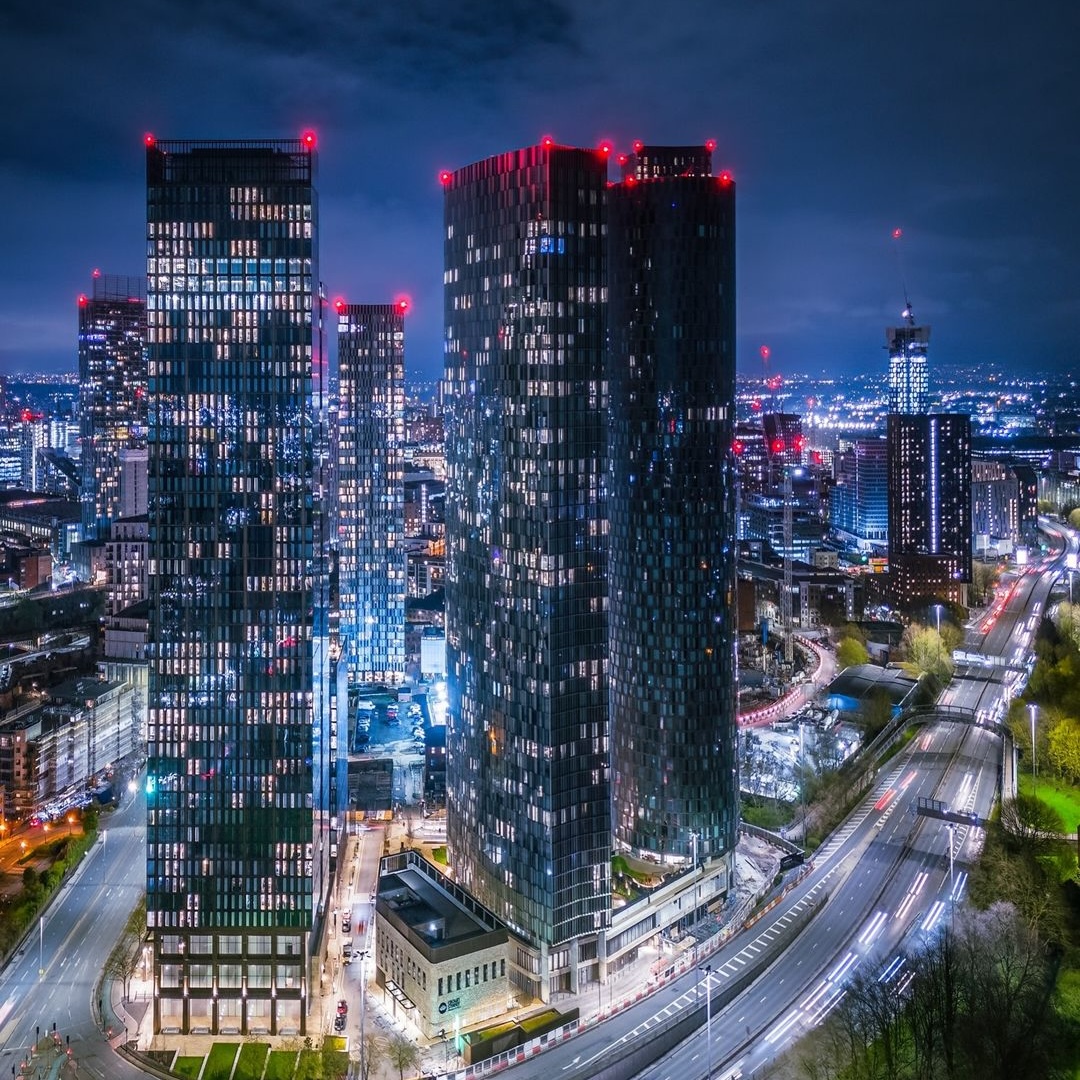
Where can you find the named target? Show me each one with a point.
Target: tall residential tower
(371, 489)
(528, 799)
(237, 773)
(671, 502)
(112, 392)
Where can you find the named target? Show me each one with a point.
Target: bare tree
(402, 1054)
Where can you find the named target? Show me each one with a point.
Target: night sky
(957, 120)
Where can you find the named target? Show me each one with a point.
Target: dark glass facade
(526, 595)
(237, 776)
(671, 504)
(929, 507)
(112, 392)
(371, 490)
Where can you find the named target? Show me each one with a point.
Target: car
(391, 712)
(339, 1023)
(346, 926)
(342, 1007)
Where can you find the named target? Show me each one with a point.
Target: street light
(707, 968)
(937, 618)
(1033, 709)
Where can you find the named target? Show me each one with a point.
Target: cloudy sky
(957, 120)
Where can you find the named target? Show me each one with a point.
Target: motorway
(884, 880)
(52, 978)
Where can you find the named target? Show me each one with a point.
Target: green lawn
(252, 1060)
(220, 1063)
(1064, 798)
(188, 1066)
(282, 1065)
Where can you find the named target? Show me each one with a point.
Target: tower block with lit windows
(528, 798)
(671, 501)
(238, 769)
(371, 489)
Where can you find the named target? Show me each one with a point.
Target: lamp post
(707, 969)
(1033, 709)
(937, 618)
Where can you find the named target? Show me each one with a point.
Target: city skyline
(956, 141)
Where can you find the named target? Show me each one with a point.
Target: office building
(528, 799)
(908, 383)
(929, 508)
(371, 491)
(671, 504)
(859, 504)
(112, 392)
(238, 749)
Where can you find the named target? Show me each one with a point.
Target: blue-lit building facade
(671, 504)
(859, 503)
(908, 378)
(112, 392)
(238, 756)
(528, 794)
(371, 490)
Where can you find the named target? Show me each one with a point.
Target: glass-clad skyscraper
(908, 381)
(528, 822)
(371, 489)
(112, 392)
(671, 504)
(237, 842)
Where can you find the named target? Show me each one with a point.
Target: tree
(926, 654)
(402, 1054)
(850, 652)
(1063, 748)
(374, 1049)
(1031, 824)
(983, 577)
(1074, 518)
(875, 712)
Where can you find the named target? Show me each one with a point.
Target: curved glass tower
(671, 506)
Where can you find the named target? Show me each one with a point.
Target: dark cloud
(840, 119)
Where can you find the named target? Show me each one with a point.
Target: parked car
(342, 1007)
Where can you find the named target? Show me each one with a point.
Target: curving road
(53, 977)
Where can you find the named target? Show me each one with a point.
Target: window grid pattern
(112, 393)
(371, 490)
(236, 774)
(672, 512)
(526, 595)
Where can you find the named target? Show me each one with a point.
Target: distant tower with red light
(371, 490)
(671, 500)
(112, 392)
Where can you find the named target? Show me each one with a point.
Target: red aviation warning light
(339, 305)
(149, 139)
(605, 147)
(710, 145)
(402, 304)
(777, 446)
(897, 233)
(547, 142)
(96, 273)
(638, 146)
(445, 177)
(308, 139)
(800, 444)
(755, 405)
(737, 447)
(725, 179)
(765, 352)
(82, 300)
(622, 159)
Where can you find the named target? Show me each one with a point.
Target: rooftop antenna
(908, 313)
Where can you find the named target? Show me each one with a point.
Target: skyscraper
(908, 384)
(528, 823)
(237, 845)
(371, 489)
(112, 392)
(671, 503)
(929, 507)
